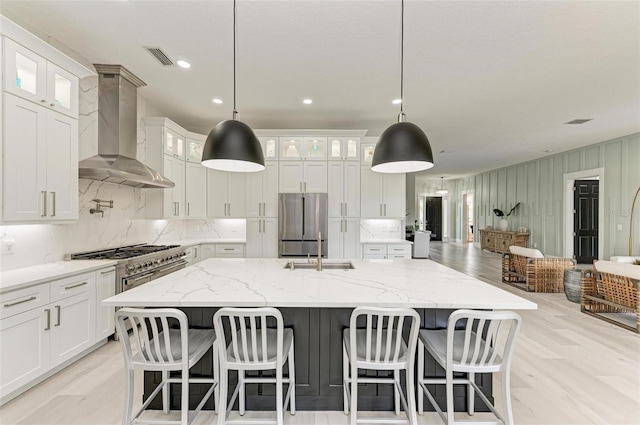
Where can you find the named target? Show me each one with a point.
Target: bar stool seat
(361, 344)
(272, 349)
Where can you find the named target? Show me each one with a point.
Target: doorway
(433, 216)
(467, 218)
(585, 220)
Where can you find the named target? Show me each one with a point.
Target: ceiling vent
(159, 54)
(579, 121)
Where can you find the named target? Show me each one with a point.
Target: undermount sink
(325, 265)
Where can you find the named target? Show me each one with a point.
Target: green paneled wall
(539, 186)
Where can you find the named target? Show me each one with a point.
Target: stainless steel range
(138, 264)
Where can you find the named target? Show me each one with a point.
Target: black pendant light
(403, 147)
(231, 145)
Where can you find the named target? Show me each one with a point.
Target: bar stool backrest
(249, 343)
(383, 334)
(497, 332)
(155, 342)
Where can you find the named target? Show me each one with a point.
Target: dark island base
(318, 357)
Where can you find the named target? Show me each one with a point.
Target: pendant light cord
(401, 60)
(235, 21)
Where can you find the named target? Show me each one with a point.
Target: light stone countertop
(254, 282)
(28, 276)
(399, 241)
(192, 242)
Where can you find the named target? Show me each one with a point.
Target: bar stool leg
(411, 395)
(128, 398)
(396, 393)
(354, 393)
(279, 397)
(292, 380)
(449, 391)
(216, 374)
(184, 404)
(420, 377)
(345, 379)
(241, 389)
(165, 392)
(471, 394)
(506, 397)
(222, 403)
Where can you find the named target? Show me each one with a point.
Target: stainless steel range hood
(117, 133)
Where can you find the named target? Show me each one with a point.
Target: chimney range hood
(117, 133)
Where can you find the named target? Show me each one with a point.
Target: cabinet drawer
(375, 257)
(15, 302)
(400, 249)
(398, 257)
(72, 285)
(375, 249)
(229, 249)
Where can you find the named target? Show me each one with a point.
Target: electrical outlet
(535, 245)
(619, 226)
(8, 246)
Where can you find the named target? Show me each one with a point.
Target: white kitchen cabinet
(195, 147)
(381, 194)
(389, 251)
(303, 177)
(344, 240)
(173, 168)
(24, 352)
(303, 148)
(367, 150)
(269, 148)
(105, 288)
(262, 191)
(262, 238)
(165, 153)
(40, 163)
(344, 189)
(229, 250)
(195, 190)
(208, 250)
(34, 78)
(174, 144)
(193, 254)
(226, 194)
(344, 148)
(45, 326)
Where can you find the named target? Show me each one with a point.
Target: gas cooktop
(122, 252)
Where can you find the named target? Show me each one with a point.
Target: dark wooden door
(433, 217)
(585, 220)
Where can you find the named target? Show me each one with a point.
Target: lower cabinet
(262, 238)
(344, 239)
(222, 250)
(391, 251)
(105, 288)
(46, 325)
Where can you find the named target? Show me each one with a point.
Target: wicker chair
(528, 269)
(611, 288)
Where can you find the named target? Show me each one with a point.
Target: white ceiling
(490, 82)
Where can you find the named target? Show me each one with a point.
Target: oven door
(142, 278)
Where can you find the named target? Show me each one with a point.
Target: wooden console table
(499, 241)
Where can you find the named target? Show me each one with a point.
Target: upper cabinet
(303, 148)
(345, 148)
(269, 147)
(195, 146)
(174, 143)
(40, 136)
(32, 77)
(366, 152)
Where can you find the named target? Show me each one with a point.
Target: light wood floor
(568, 369)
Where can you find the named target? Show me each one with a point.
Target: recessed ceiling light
(548, 150)
(217, 100)
(307, 101)
(184, 64)
(396, 101)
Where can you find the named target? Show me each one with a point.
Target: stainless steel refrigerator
(301, 216)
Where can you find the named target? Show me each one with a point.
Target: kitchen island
(317, 305)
